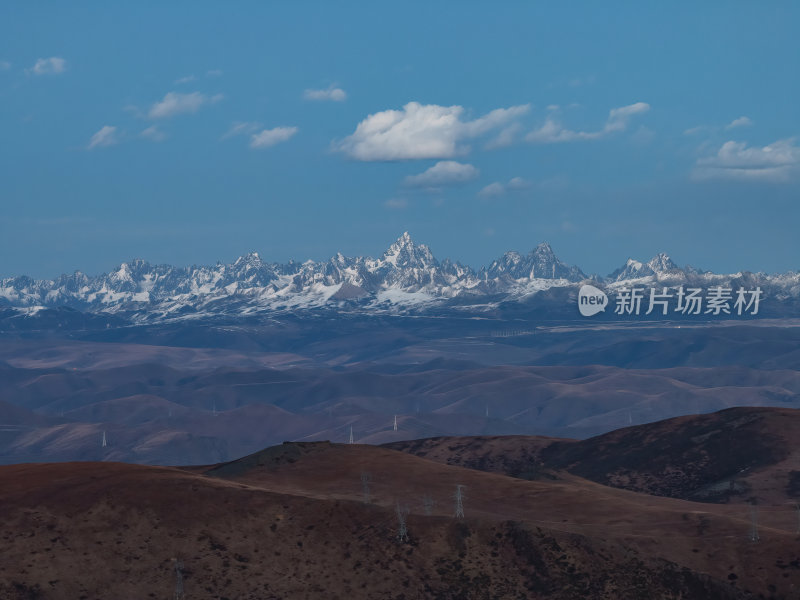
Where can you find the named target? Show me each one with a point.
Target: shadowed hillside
(736, 455)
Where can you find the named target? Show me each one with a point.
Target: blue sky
(193, 132)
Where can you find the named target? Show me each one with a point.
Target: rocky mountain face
(406, 275)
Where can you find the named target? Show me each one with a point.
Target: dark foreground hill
(739, 455)
(319, 520)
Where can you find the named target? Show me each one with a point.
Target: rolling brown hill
(293, 522)
(245, 408)
(739, 455)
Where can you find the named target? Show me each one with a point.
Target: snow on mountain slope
(405, 275)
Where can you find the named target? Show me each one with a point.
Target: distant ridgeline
(406, 279)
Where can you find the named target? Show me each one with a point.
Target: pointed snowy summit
(404, 253)
(539, 263)
(660, 265)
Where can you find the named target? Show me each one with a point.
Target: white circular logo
(591, 300)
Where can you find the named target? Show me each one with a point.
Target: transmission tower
(351, 435)
(754, 537)
(104, 443)
(402, 530)
(395, 422)
(459, 501)
(427, 504)
(179, 595)
(365, 479)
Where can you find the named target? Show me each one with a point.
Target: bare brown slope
(709, 539)
(300, 530)
(513, 455)
(735, 455)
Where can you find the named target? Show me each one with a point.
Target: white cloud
(241, 128)
(396, 203)
(496, 189)
(49, 66)
(775, 163)
(553, 132)
(154, 134)
(333, 93)
(4, 65)
(187, 79)
(505, 137)
(270, 137)
(421, 131)
(445, 172)
(175, 103)
(568, 226)
(493, 190)
(107, 136)
(214, 73)
(618, 117)
(740, 122)
(580, 81)
(695, 130)
(643, 136)
(518, 183)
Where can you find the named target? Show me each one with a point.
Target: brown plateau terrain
(294, 521)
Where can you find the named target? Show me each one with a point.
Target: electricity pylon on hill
(427, 504)
(754, 537)
(402, 530)
(179, 595)
(459, 496)
(365, 479)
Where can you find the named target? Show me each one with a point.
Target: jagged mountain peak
(405, 253)
(539, 263)
(407, 273)
(660, 264)
(251, 258)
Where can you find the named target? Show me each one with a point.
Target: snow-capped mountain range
(406, 275)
